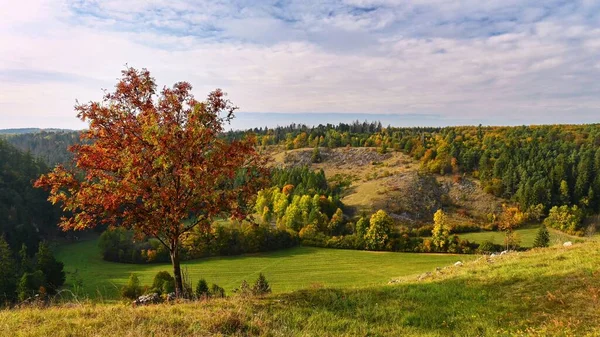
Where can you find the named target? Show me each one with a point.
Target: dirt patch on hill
(343, 157)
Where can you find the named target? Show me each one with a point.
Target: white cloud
(508, 60)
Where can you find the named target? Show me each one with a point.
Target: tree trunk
(174, 252)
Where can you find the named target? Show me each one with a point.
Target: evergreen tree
(261, 286)
(542, 238)
(25, 263)
(52, 269)
(201, 288)
(31, 284)
(7, 272)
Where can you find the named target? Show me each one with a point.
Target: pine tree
(7, 272)
(261, 286)
(52, 269)
(25, 263)
(542, 238)
(201, 288)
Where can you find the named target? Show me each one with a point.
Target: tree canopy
(155, 163)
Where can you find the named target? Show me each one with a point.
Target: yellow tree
(511, 218)
(441, 231)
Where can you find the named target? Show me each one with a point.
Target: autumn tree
(378, 234)
(511, 218)
(156, 164)
(441, 231)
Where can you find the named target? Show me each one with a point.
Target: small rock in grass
(458, 264)
(567, 244)
(148, 299)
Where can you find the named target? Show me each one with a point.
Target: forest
(27, 221)
(552, 165)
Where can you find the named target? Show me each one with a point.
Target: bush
(202, 289)
(425, 230)
(487, 247)
(163, 283)
(133, 289)
(261, 286)
(30, 284)
(244, 289)
(566, 219)
(465, 228)
(216, 291)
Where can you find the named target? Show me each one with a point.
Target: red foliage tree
(156, 165)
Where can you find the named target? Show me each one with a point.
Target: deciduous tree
(156, 163)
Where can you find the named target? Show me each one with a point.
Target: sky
(413, 62)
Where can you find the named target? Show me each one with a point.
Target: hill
(27, 130)
(393, 182)
(49, 145)
(542, 292)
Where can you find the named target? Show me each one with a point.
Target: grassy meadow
(543, 292)
(286, 270)
(526, 236)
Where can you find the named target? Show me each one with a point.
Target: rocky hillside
(394, 182)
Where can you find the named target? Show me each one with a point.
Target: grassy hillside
(525, 235)
(287, 270)
(544, 292)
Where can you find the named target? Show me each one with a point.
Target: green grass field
(286, 270)
(543, 292)
(526, 236)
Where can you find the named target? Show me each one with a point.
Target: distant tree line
(119, 245)
(550, 165)
(50, 147)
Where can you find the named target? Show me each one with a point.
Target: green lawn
(286, 270)
(526, 236)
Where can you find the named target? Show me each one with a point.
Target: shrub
(244, 289)
(163, 283)
(487, 247)
(216, 291)
(566, 219)
(202, 289)
(425, 230)
(133, 289)
(261, 286)
(316, 155)
(308, 232)
(30, 284)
